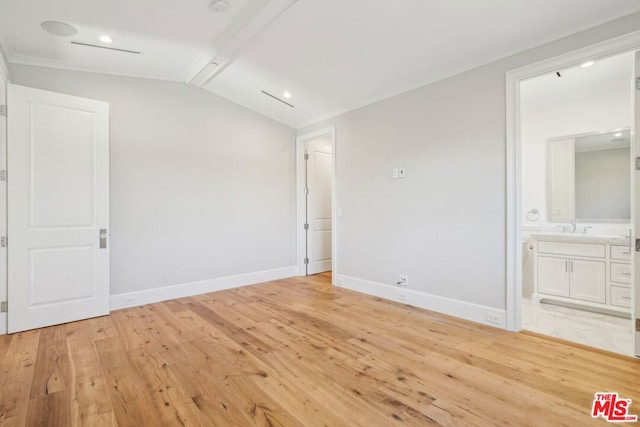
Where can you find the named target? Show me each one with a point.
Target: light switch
(402, 173)
(394, 174)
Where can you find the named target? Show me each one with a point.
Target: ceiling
(618, 67)
(331, 55)
(603, 141)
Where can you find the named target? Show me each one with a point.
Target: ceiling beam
(228, 47)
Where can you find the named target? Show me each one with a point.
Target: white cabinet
(587, 280)
(572, 278)
(553, 276)
(592, 274)
(620, 273)
(621, 296)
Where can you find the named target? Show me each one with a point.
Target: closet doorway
(316, 207)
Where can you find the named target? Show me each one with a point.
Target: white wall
(444, 225)
(600, 106)
(201, 188)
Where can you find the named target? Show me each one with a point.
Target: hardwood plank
(87, 392)
(127, 392)
(51, 372)
(16, 375)
(299, 352)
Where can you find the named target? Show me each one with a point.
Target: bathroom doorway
(576, 202)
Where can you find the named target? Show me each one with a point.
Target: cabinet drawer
(620, 252)
(620, 273)
(620, 296)
(574, 249)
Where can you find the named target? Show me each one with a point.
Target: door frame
(626, 43)
(4, 290)
(301, 139)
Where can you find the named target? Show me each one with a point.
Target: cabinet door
(587, 280)
(553, 276)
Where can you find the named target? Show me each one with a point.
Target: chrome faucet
(573, 227)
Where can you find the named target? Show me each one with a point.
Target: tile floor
(584, 327)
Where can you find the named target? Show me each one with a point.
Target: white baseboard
(465, 310)
(3, 323)
(148, 296)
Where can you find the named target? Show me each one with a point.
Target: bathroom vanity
(589, 271)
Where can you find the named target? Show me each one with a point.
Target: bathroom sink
(581, 238)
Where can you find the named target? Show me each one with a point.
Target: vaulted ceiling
(329, 55)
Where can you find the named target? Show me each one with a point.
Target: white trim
(4, 63)
(165, 293)
(614, 46)
(3, 202)
(452, 307)
(300, 242)
(40, 63)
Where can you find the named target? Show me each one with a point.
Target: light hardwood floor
(299, 352)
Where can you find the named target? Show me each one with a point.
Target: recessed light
(618, 134)
(105, 39)
(587, 64)
(287, 95)
(59, 28)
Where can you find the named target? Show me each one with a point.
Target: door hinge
(3, 110)
(637, 245)
(3, 175)
(4, 307)
(637, 83)
(306, 156)
(306, 191)
(4, 242)
(306, 226)
(306, 260)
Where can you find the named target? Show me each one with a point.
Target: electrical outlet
(129, 300)
(338, 281)
(402, 296)
(495, 318)
(403, 280)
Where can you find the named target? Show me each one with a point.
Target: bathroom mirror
(589, 178)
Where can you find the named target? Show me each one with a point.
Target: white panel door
(58, 198)
(319, 205)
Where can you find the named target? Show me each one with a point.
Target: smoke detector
(59, 28)
(219, 6)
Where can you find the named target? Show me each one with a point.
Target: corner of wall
(473, 312)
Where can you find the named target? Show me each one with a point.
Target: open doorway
(316, 194)
(573, 211)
